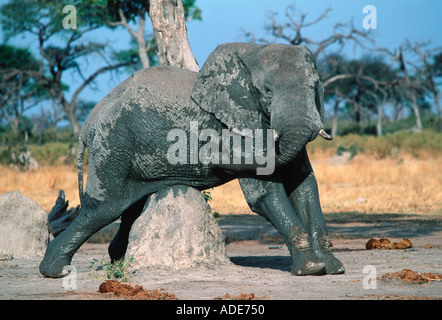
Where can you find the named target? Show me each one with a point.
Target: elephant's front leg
(302, 190)
(268, 199)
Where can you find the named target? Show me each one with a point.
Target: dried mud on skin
(386, 244)
(413, 277)
(126, 291)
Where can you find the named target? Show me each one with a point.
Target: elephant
(241, 88)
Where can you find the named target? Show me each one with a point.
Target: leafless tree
(293, 29)
(425, 55)
(409, 86)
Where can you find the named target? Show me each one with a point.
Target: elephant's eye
(268, 91)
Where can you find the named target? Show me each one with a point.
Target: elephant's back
(162, 90)
(164, 79)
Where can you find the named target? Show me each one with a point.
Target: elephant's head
(249, 86)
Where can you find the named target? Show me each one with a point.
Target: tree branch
(93, 76)
(122, 22)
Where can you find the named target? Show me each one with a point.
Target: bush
(50, 153)
(414, 143)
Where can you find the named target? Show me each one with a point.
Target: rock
(23, 227)
(176, 231)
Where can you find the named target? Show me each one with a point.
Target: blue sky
(225, 20)
(396, 20)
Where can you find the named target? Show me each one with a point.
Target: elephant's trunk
(291, 143)
(297, 125)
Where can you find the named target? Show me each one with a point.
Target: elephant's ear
(224, 87)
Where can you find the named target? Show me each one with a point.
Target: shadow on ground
(349, 225)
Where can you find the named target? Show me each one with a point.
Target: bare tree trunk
(170, 33)
(357, 107)
(72, 117)
(435, 96)
(379, 121)
(138, 35)
(142, 48)
(334, 129)
(410, 91)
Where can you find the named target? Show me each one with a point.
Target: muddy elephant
(166, 126)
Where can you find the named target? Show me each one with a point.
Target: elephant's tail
(80, 165)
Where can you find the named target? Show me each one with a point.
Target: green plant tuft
(119, 270)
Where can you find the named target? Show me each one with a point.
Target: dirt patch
(413, 277)
(126, 291)
(386, 244)
(394, 297)
(242, 296)
(260, 266)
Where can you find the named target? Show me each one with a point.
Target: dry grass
(42, 185)
(365, 184)
(405, 185)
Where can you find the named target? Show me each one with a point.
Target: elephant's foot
(53, 263)
(304, 260)
(333, 265)
(322, 250)
(116, 251)
(307, 265)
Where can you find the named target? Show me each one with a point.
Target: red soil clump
(413, 277)
(128, 292)
(386, 244)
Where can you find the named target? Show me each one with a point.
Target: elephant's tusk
(325, 135)
(275, 135)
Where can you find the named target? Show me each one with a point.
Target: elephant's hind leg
(91, 219)
(118, 246)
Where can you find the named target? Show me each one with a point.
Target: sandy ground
(261, 264)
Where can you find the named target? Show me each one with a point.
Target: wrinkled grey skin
(241, 86)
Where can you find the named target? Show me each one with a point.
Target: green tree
(62, 50)
(148, 49)
(19, 91)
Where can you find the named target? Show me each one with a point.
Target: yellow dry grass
(42, 185)
(405, 185)
(364, 184)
